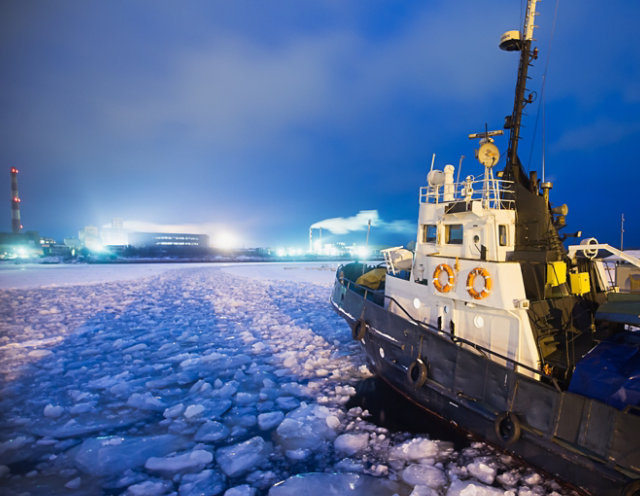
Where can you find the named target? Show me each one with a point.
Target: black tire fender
(417, 373)
(359, 330)
(631, 489)
(507, 426)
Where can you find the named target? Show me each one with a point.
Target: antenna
(512, 41)
(621, 232)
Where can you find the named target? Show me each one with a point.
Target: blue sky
(263, 118)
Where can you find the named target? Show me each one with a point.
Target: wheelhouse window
(503, 237)
(453, 234)
(429, 233)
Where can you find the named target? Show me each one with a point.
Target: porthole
(416, 303)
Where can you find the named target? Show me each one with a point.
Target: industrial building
(170, 244)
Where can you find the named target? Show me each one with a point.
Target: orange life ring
(451, 278)
(486, 289)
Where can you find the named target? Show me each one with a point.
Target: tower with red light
(16, 225)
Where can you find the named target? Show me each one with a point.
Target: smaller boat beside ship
(494, 325)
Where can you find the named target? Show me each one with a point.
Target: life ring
(451, 278)
(488, 284)
(417, 373)
(359, 330)
(507, 427)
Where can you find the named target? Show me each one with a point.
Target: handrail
(573, 249)
(492, 192)
(456, 339)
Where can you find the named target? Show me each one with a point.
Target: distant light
(95, 246)
(281, 252)
(361, 251)
(22, 252)
(226, 240)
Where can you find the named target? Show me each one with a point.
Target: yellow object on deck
(556, 273)
(580, 283)
(372, 279)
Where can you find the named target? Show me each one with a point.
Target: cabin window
(453, 234)
(429, 233)
(502, 235)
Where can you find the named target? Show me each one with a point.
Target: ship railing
(374, 295)
(590, 248)
(493, 193)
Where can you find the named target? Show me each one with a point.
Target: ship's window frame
(453, 234)
(429, 233)
(503, 235)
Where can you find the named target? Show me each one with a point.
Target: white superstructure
(461, 280)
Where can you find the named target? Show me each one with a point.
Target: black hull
(589, 444)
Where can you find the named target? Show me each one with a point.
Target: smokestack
(16, 225)
(311, 240)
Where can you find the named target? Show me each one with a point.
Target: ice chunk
(113, 455)
(269, 420)
(299, 454)
(306, 428)
(351, 443)
(246, 398)
(287, 402)
(40, 353)
(472, 488)
(4, 470)
(73, 483)
(206, 482)
(316, 484)
(243, 457)
(148, 488)
(187, 462)
(53, 411)
(421, 449)
(482, 472)
(424, 475)
(332, 422)
(424, 491)
(532, 479)
(145, 401)
(211, 431)
(193, 411)
(173, 411)
(243, 490)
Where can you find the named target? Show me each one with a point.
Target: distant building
(20, 245)
(51, 248)
(114, 235)
(177, 244)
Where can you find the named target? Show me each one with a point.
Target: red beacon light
(14, 170)
(16, 199)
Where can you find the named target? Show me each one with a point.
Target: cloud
(596, 135)
(360, 222)
(234, 91)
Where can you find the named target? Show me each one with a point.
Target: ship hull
(582, 441)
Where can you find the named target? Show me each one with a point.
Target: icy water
(190, 380)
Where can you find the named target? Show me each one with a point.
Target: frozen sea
(202, 379)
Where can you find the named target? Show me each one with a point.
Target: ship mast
(512, 41)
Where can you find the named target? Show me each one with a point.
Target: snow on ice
(204, 379)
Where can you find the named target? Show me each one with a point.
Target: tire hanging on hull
(417, 373)
(359, 329)
(507, 427)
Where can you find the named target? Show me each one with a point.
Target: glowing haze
(259, 119)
